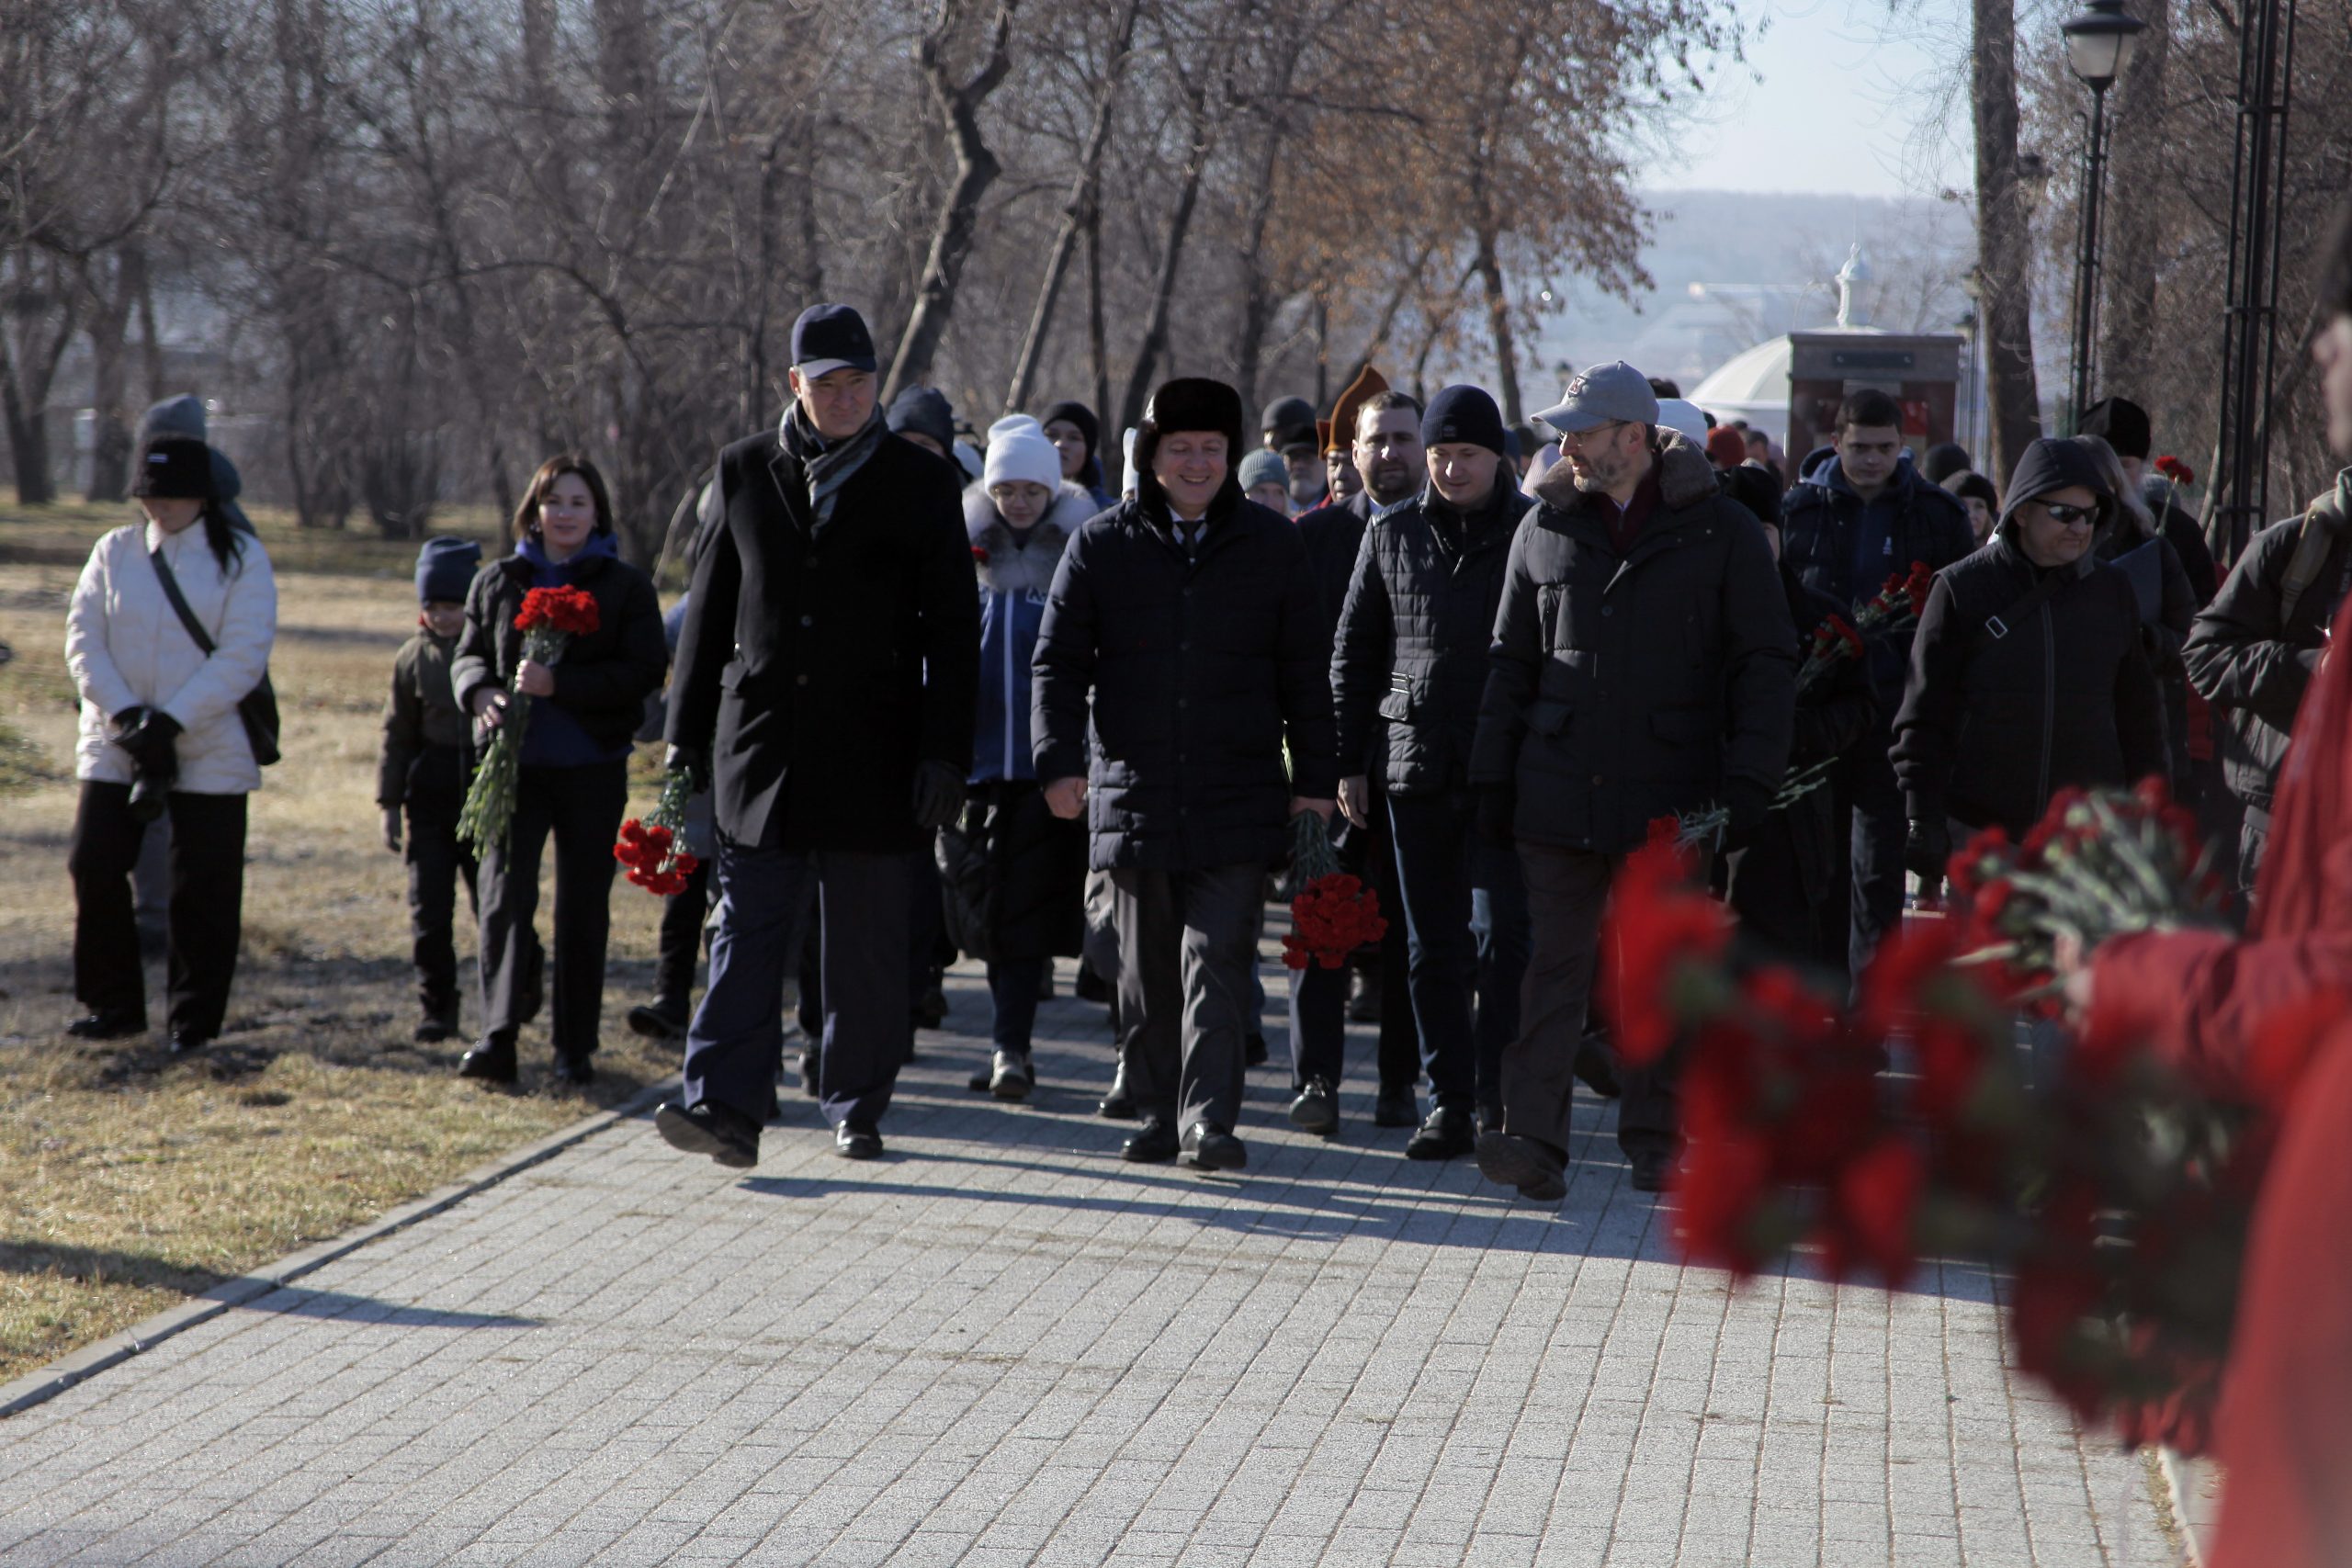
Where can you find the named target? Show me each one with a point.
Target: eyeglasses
(1578, 437)
(2065, 514)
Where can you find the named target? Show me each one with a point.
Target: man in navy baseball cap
(829, 338)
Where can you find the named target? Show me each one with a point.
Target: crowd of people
(941, 692)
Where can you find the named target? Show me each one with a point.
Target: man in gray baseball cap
(1643, 665)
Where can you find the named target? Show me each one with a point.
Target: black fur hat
(1191, 402)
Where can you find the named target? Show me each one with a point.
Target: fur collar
(1684, 477)
(1007, 565)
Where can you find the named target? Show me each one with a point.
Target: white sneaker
(1012, 1076)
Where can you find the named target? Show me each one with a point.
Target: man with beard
(1387, 450)
(1644, 664)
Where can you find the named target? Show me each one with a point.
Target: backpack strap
(2314, 541)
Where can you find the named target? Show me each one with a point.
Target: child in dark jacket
(420, 771)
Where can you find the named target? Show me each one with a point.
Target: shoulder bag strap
(1995, 627)
(179, 603)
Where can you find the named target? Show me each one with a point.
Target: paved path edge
(77, 1367)
(2195, 1485)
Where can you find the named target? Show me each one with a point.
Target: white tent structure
(1753, 385)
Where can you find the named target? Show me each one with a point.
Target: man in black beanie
(1184, 627)
(2124, 425)
(1414, 633)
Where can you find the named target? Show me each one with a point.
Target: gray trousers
(1188, 948)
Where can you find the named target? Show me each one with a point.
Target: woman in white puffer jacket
(161, 729)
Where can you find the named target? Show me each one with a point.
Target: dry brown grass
(128, 1182)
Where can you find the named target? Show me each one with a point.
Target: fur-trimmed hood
(1684, 477)
(1010, 565)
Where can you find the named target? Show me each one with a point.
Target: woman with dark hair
(161, 731)
(1076, 434)
(573, 781)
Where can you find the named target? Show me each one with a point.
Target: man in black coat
(2254, 648)
(1861, 516)
(2027, 675)
(1643, 665)
(1385, 447)
(825, 684)
(1414, 634)
(1186, 624)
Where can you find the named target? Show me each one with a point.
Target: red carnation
(572, 610)
(980, 554)
(2174, 470)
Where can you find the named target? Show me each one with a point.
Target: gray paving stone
(1002, 1345)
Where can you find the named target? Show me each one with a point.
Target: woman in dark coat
(1015, 877)
(2027, 675)
(573, 781)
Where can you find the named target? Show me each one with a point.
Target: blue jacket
(1824, 525)
(1015, 572)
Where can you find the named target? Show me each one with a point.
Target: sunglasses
(2066, 515)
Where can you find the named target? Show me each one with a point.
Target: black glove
(939, 794)
(130, 719)
(1498, 804)
(1929, 849)
(150, 742)
(692, 762)
(1749, 803)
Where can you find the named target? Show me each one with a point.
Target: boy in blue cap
(420, 769)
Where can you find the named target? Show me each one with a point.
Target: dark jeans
(1013, 987)
(1187, 949)
(681, 940)
(582, 808)
(436, 863)
(1318, 996)
(1881, 828)
(736, 1042)
(205, 914)
(1465, 911)
(1567, 892)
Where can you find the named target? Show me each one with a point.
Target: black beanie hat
(2121, 423)
(1944, 459)
(1466, 415)
(1079, 414)
(926, 412)
(174, 468)
(445, 570)
(1190, 402)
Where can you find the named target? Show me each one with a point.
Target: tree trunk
(110, 334)
(976, 170)
(1111, 450)
(1089, 165)
(1164, 290)
(1258, 300)
(2004, 243)
(2140, 169)
(28, 369)
(1490, 273)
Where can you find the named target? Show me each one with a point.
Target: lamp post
(2099, 41)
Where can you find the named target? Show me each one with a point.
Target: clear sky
(1855, 97)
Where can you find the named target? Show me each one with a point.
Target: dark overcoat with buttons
(1201, 668)
(819, 665)
(1624, 688)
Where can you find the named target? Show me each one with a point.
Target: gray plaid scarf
(828, 464)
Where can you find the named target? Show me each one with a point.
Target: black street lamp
(2099, 41)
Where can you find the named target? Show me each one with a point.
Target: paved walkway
(1001, 1346)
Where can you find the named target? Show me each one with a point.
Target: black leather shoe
(436, 1027)
(1211, 1148)
(1150, 1144)
(1119, 1105)
(1594, 1066)
(1509, 1160)
(493, 1061)
(1396, 1108)
(1447, 1134)
(109, 1023)
(978, 1082)
(1490, 1118)
(1253, 1050)
(576, 1071)
(1551, 1190)
(707, 1129)
(1089, 987)
(1316, 1109)
(1649, 1169)
(857, 1140)
(662, 1019)
(187, 1043)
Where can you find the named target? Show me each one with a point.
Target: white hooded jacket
(125, 648)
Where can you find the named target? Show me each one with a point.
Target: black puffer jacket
(1626, 687)
(1415, 631)
(1818, 520)
(604, 675)
(1012, 876)
(2254, 664)
(1196, 671)
(1993, 726)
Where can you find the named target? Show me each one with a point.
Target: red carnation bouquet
(1898, 602)
(1708, 824)
(549, 620)
(652, 847)
(1834, 640)
(1332, 913)
(2116, 1194)
(2099, 865)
